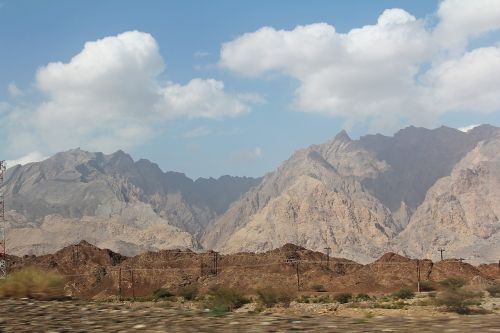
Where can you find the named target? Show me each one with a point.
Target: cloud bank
(109, 96)
(399, 70)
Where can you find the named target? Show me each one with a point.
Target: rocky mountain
(364, 197)
(411, 193)
(111, 201)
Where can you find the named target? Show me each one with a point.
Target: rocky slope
(111, 201)
(358, 196)
(461, 212)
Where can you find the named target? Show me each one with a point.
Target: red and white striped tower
(3, 257)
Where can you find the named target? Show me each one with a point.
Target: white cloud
(397, 70)
(467, 128)
(463, 19)
(197, 132)
(109, 96)
(245, 155)
(13, 90)
(29, 158)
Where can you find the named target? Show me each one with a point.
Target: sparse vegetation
(271, 296)
(403, 293)
(494, 290)
(426, 286)
(452, 283)
(318, 288)
(220, 300)
(162, 294)
(189, 292)
(343, 297)
(459, 300)
(32, 282)
(362, 297)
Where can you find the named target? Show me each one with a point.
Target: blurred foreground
(23, 315)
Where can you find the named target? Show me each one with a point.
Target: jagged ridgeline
(411, 193)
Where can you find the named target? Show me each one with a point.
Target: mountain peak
(342, 136)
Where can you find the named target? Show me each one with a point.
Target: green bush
(494, 290)
(342, 297)
(459, 300)
(323, 299)
(318, 288)
(221, 300)
(189, 292)
(452, 283)
(162, 293)
(32, 282)
(426, 286)
(403, 294)
(362, 297)
(271, 296)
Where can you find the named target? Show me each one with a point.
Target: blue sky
(253, 102)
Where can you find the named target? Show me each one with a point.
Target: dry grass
(32, 282)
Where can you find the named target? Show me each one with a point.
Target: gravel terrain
(77, 316)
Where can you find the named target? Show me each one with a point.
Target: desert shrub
(162, 294)
(362, 297)
(494, 290)
(459, 300)
(303, 299)
(220, 300)
(342, 297)
(452, 283)
(189, 292)
(318, 288)
(403, 293)
(323, 299)
(426, 286)
(271, 296)
(32, 282)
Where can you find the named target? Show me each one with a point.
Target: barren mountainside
(364, 197)
(411, 193)
(112, 201)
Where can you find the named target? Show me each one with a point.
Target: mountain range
(413, 193)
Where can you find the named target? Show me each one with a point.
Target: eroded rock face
(112, 201)
(461, 211)
(358, 196)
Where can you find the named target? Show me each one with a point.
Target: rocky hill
(94, 272)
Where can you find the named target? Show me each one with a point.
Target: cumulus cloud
(109, 96)
(397, 70)
(197, 132)
(14, 90)
(245, 155)
(468, 128)
(32, 157)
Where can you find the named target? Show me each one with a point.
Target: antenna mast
(3, 257)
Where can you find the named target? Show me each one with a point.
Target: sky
(210, 88)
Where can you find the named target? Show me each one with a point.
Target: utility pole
(3, 224)
(418, 275)
(216, 263)
(133, 283)
(328, 249)
(441, 250)
(120, 284)
(298, 275)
